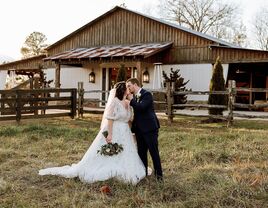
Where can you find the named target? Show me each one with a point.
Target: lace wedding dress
(125, 166)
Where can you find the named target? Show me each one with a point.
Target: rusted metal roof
(134, 50)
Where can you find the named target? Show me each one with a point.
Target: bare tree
(240, 35)
(34, 45)
(123, 5)
(207, 16)
(261, 28)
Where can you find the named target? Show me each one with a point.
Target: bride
(126, 166)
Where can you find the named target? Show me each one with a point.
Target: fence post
(169, 102)
(2, 102)
(43, 103)
(231, 100)
(73, 103)
(81, 93)
(36, 86)
(18, 105)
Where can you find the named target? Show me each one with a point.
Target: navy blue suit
(145, 125)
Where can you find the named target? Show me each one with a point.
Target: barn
(145, 46)
(28, 67)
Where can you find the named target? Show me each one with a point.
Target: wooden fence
(24, 104)
(170, 107)
(231, 92)
(21, 104)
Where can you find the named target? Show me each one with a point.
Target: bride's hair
(120, 89)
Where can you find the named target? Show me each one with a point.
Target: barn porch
(103, 62)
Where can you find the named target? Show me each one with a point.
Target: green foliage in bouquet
(105, 134)
(110, 149)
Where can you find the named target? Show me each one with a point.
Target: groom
(145, 125)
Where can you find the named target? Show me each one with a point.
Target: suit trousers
(149, 141)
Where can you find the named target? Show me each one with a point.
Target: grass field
(205, 165)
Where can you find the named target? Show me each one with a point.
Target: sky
(58, 18)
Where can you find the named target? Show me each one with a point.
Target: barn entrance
(113, 74)
(249, 75)
(109, 75)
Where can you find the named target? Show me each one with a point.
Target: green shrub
(217, 83)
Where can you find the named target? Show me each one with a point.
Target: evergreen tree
(217, 83)
(179, 85)
(122, 74)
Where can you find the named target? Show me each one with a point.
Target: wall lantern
(145, 76)
(92, 77)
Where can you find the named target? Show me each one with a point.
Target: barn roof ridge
(208, 37)
(41, 56)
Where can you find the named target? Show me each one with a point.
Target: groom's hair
(134, 81)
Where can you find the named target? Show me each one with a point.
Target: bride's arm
(110, 131)
(130, 123)
(111, 116)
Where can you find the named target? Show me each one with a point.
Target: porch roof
(132, 50)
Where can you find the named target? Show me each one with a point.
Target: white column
(157, 78)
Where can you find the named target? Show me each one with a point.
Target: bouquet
(110, 149)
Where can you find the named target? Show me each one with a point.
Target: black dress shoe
(159, 178)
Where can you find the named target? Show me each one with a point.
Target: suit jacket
(145, 119)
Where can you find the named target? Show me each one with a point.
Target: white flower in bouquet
(110, 149)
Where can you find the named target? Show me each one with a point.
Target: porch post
(57, 79)
(139, 71)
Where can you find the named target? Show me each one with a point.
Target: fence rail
(242, 89)
(200, 92)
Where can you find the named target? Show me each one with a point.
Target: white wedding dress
(125, 166)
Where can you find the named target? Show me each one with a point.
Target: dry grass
(205, 165)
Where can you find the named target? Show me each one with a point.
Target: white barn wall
(3, 76)
(70, 76)
(50, 74)
(151, 76)
(199, 76)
